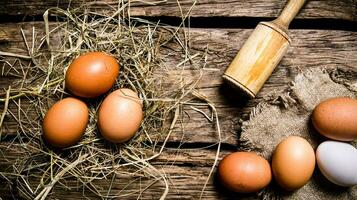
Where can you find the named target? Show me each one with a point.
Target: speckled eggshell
(293, 162)
(120, 115)
(65, 122)
(91, 74)
(244, 172)
(336, 118)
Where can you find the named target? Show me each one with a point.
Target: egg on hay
(91, 74)
(120, 115)
(65, 122)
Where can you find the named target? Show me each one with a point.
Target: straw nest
(142, 49)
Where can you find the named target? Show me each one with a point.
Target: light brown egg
(336, 118)
(65, 122)
(244, 172)
(293, 162)
(120, 115)
(91, 74)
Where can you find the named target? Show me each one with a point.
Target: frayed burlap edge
(288, 113)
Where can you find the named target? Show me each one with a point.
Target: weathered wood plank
(317, 9)
(201, 156)
(310, 48)
(184, 183)
(186, 170)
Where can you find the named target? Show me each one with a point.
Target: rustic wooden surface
(311, 47)
(315, 9)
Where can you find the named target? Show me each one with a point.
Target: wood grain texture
(186, 169)
(316, 9)
(257, 59)
(186, 182)
(13, 152)
(310, 48)
(291, 9)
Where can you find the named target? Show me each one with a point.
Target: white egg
(338, 162)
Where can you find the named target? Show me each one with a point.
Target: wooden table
(324, 35)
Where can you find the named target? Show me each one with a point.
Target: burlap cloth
(288, 113)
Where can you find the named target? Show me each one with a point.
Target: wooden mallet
(262, 52)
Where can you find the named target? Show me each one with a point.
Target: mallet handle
(289, 12)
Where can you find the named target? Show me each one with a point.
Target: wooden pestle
(262, 52)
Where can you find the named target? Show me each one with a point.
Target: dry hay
(143, 50)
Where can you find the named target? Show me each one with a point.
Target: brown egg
(244, 172)
(293, 162)
(120, 115)
(336, 118)
(91, 74)
(65, 122)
